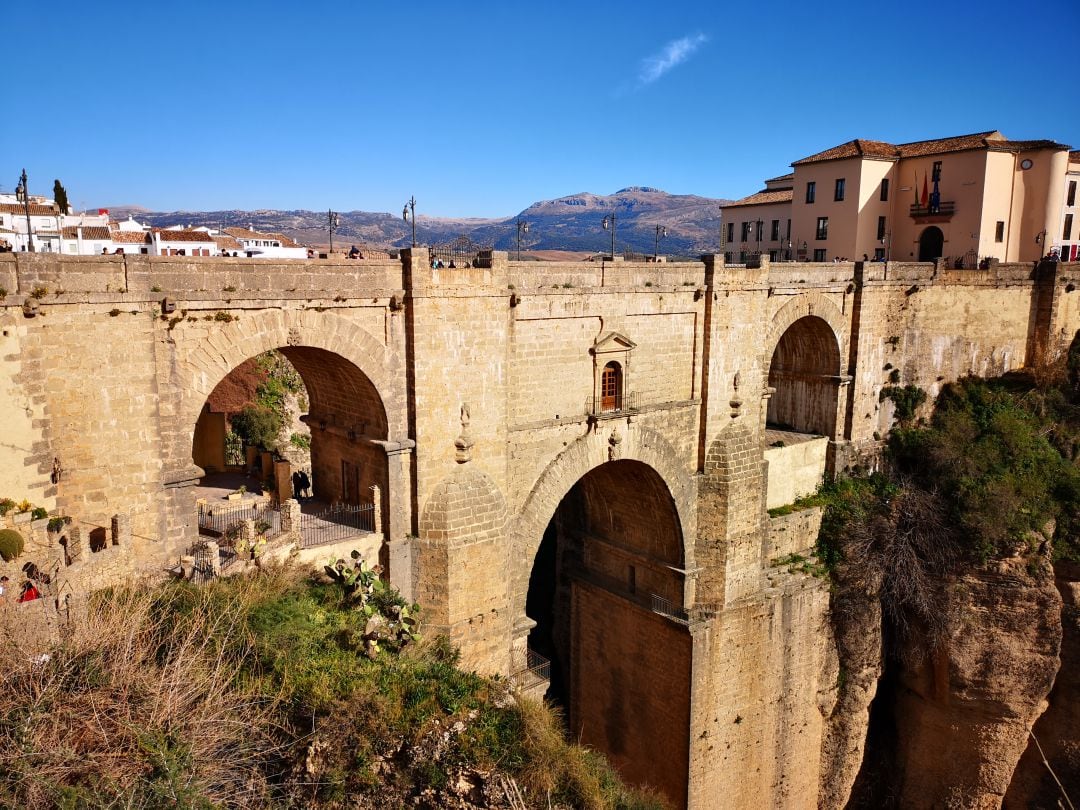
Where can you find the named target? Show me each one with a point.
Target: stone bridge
(575, 459)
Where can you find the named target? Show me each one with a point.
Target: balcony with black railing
(614, 405)
(942, 212)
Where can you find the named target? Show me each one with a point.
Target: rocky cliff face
(950, 724)
(856, 628)
(963, 712)
(1058, 729)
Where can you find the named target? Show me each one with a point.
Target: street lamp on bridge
(609, 224)
(333, 221)
(408, 214)
(22, 194)
(661, 232)
(522, 227)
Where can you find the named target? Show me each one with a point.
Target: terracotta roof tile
(788, 176)
(1074, 157)
(88, 232)
(992, 140)
(856, 148)
(762, 198)
(227, 242)
(184, 236)
(244, 233)
(36, 210)
(131, 237)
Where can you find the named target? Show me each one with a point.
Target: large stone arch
(603, 543)
(807, 343)
(801, 306)
(607, 442)
(202, 362)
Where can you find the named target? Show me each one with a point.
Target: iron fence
(222, 520)
(462, 252)
(620, 403)
(667, 608)
(537, 669)
(203, 569)
(336, 523)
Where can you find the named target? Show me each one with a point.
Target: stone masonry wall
(105, 363)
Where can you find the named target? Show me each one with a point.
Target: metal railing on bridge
(221, 520)
(537, 670)
(336, 523)
(607, 406)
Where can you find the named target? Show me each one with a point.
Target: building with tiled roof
(183, 242)
(964, 198)
(266, 245)
(51, 230)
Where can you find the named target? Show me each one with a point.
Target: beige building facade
(967, 199)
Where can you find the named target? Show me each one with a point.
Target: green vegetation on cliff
(992, 474)
(262, 691)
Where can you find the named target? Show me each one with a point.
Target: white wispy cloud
(670, 56)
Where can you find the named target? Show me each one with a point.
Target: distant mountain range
(568, 223)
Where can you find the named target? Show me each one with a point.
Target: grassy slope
(254, 692)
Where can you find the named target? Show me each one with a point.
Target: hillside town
(37, 224)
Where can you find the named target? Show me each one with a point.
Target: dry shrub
(132, 709)
(560, 773)
(903, 552)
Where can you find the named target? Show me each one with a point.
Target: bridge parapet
(592, 275)
(23, 273)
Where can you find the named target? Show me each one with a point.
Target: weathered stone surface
(963, 713)
(98, 385)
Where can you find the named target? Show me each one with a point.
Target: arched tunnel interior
(606, 593)
(804, 369)
(345, 414)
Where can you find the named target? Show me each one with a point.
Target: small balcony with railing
(611, 405)
(932, 212)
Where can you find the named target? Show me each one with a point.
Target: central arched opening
(804, 372)
(931, 244)
(606, 594)
(310, 417)
(804, 375)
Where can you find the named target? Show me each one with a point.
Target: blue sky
(480, 109)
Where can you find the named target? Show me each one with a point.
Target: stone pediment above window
(613, 342)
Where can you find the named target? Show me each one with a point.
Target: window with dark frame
(819, 254)
(999, 231)
(881, 227)
(1072, 193)
(745, 232)
(730, 232)
(788, 230)
(822, 228)
(885, 190)
(811, 191)
(775, 231)
(1066, 234)
(935, 174)
(838, 195)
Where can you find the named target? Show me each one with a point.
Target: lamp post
(661, 232)
(22, 194)
(886, 240)
(522, 227)
(333, 221)
(408, 214)
(723, 241)
(609, 224)
(1040, 238)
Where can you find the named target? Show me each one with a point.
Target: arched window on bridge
(611, 387)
